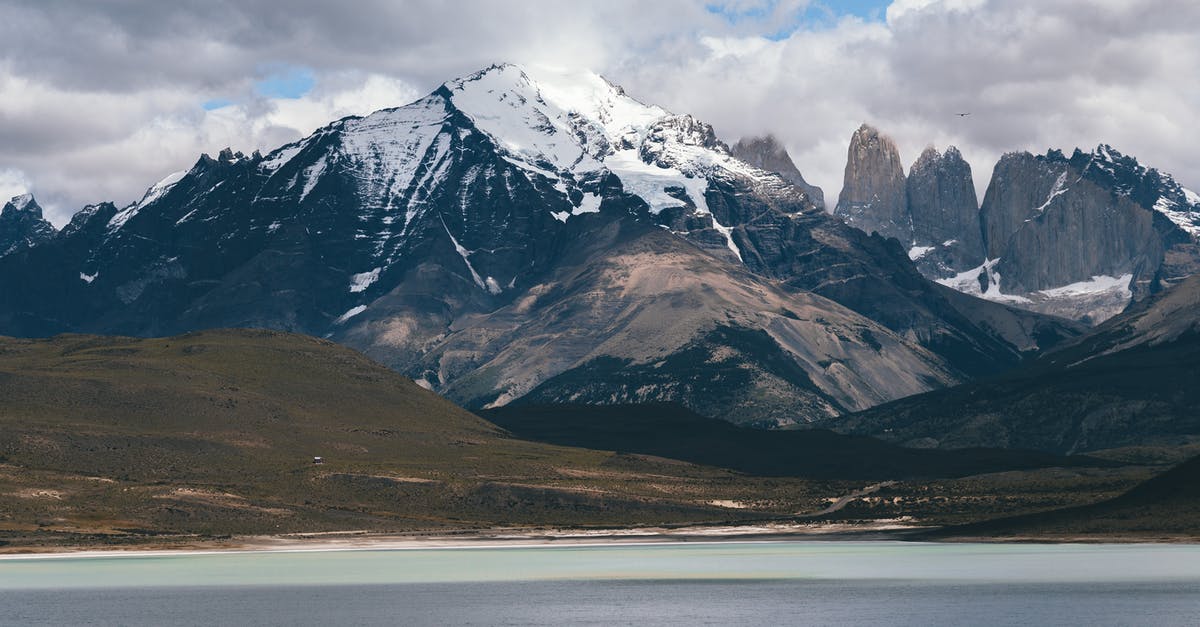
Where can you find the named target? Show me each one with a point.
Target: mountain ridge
(423, 234)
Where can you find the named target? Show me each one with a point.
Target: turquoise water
(691, 583)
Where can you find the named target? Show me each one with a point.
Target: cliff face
(1078, 236)
(1082, 236)
(945, 213)
(768, 154)
(1022, 188)
(874, 197)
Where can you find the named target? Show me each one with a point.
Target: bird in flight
(962, 115)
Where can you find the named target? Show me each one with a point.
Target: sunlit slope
(215, 432)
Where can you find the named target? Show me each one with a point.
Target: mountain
(1078, 237)
(945, 213)
(766, 153)
(873, 196)
(1166, 506)
(1129, 382)
(932, 212)
(22, 225)
(506, 236)
(1083, 236)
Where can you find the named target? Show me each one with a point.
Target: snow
(88, 278)
(1184, 218)
(648, 181)
(576, 124)
(916, 252)
(727, 231)
(968, 283)
(507, 105)
(157, 190)
(353, 311)
(387, 147)
(466, 257)
(1096, 285)
(274, 226)
(589, 204)
(560, 128)
(949, 242)
(1192, 197)
(281, 156)
(361, 281)
(492, 286)
(185, 217)
(121, 217)
(312, 174)
(21, 201)
(1058, 190)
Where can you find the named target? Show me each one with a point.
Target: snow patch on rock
(361, 281)
(157, 190)
(353, 311)
(916, 252)
(1095, 285)
(21, 201)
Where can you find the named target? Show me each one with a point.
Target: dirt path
(846, 500)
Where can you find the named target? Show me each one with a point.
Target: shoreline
(504, 537)
(514, 538)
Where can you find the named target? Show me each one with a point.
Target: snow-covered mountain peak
(25, 202)
(576, 124)
(22, 225)
(508, 102)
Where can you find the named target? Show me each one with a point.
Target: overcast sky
(98, 100)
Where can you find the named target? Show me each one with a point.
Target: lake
(718, 583)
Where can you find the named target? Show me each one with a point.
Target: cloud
(102, 99)
(1034, 75)
(12, 183)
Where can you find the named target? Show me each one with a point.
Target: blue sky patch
(286, 82)
(216, 103)
(818, 13)
(870, 10)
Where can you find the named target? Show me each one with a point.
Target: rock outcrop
(1081, 237)
(1077, 237)
(768, 154)
(946, 238)
(874, 197)
(22, 225)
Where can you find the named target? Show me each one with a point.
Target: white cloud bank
(99, 100)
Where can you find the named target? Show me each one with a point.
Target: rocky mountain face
(1083, 236)
(1077, 237)
(874, 197)
(766, 153)
(507, 238)
(946, 237)
(22, 225)
(933, 211)
(1129, 382)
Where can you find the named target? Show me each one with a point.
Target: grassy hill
(1166, 506)
(214, 433)
(107, 440)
